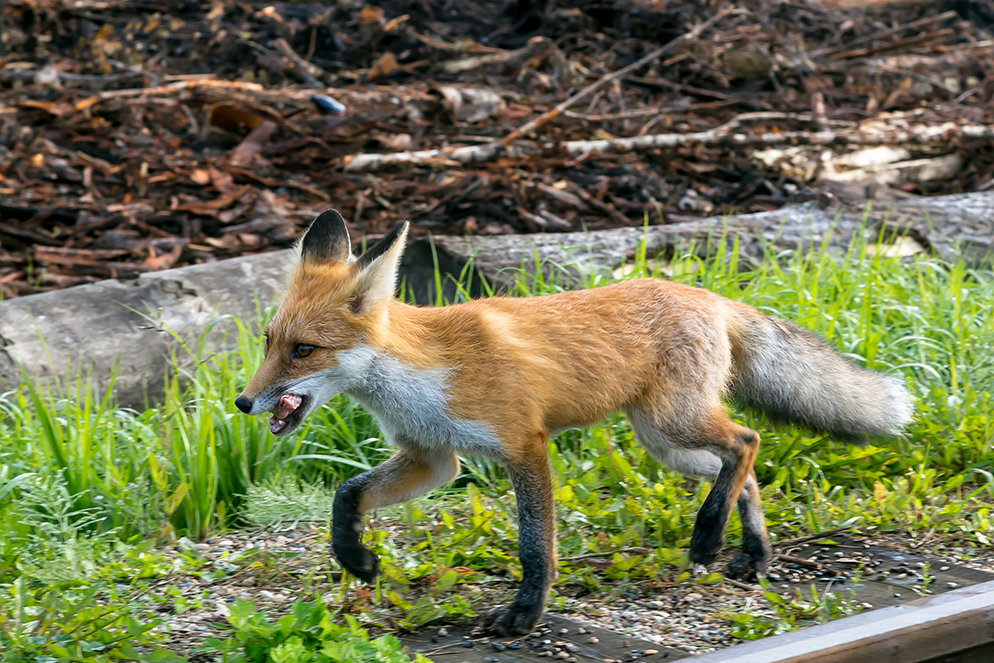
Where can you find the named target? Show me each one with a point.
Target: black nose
(243, 404)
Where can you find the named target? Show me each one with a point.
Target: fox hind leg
(723, 452)
(755, 553)
(402, 477)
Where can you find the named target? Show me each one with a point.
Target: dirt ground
(676, 621)
(138, 136)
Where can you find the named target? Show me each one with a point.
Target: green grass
(82, 481)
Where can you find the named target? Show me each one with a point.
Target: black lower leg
(755, 555)
(346, 530)
(709, 529)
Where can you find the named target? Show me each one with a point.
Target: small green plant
(793, 613)
(81, 622)
(287, 501)
(309, 634)
(927, 579)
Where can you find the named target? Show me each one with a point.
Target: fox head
(317, 342)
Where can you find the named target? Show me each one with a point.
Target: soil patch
(275, 568)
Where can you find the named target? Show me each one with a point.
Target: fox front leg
(536, 544)
(407, 474)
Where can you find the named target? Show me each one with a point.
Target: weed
(309, 634)
(793, 613)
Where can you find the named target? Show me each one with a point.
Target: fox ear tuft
(327, 238)
(377, 269)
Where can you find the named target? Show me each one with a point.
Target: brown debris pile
(138, 136)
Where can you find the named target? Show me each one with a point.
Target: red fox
(497, 376)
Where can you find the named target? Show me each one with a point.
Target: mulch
(140, 135)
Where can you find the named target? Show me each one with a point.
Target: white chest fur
(411, 404)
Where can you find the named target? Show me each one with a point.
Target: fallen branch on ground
(877, 133)
(722, 135)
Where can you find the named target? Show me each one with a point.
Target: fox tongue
(288, 403)
(284, 408)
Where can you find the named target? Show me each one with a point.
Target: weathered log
(126, 325)
(951, 227)
(121, 325)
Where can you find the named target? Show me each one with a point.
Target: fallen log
(126, 326)
(132, 326)
(951, 227)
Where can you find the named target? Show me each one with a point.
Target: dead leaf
(386, 65)
(221, 180)
(395, 142)
(395, 23)
(370, 15)
(233, 118)
(250, 147)
(164, 260)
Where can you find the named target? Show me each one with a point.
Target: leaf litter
(137, 136)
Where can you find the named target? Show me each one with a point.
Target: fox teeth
(276, 425)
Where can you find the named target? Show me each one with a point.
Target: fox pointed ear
(327, 239)
(376, 270)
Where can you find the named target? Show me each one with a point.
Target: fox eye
(301, 350)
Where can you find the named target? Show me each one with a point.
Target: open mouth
(287, 414)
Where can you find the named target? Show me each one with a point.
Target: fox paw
(703, 557)
(511, 619)
(746, 567)
(358, 561)
(705, 544)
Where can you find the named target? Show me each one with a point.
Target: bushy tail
(792, 374)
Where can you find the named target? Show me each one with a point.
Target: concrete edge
(914, 632)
